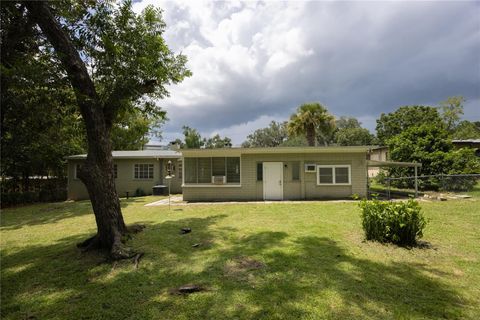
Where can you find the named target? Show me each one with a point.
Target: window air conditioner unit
(219, 179)
(310, 167)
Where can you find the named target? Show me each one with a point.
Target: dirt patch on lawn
(242, 268)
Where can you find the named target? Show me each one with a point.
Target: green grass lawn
(276, 261)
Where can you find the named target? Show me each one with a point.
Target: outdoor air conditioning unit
(219, 179)
(310, 167)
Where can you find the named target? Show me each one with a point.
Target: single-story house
(282, 173)
(134, 170)
(468, 143)
(377, 154)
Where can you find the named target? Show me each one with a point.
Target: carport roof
(375, 163)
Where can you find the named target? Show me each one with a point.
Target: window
(325, 175)
(296, 171)
(218, 166)
(143, 171)
(204, 170)
(77, 169)
(201, 170)
(115, 171)
(310, 167)
(341, 175)
(190, 170)
(233, 170)
(180, 169)
(333, 174)
(259, 171)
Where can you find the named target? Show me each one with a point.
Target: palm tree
(311, 119)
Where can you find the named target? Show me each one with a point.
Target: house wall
(306, 188)
(380, 154)
(125, 178)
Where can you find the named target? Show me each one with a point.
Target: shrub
(140, 193)
(401, 223)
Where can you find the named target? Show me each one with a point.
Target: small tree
(193, 139)
(452, 111)
(272, 136)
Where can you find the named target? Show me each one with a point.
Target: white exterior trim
(211, 185)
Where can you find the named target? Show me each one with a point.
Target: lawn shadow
(46, 213)
(295, 277)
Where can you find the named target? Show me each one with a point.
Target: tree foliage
(452, 111)
(193, 139)
(429, 145)
(217, 142)
(40, 124)
(394, 123)
(467, 130)
(272, 136)
(313, 121)
(133, 129)
(349, 132)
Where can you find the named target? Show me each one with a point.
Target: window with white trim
(334, 174)
(143, 171)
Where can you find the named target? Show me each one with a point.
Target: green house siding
(305, 188)
(125, 181)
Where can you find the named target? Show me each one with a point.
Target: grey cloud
(362, 65)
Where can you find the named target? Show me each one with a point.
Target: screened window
(233, 170)
(204, 170)
(180, 169)
(333, 174)
(296, 171)
(259, 171)
(143, 171)
(190, 170)
(201, 170)
(218, 166)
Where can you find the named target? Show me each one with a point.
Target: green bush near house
(140, 193)
(401, 223)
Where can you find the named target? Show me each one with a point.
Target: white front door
(273, 181)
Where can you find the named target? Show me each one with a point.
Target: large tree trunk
(97, 172)
(97, 175)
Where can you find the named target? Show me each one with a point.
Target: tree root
(137, 258)
(91, 243)
(135, 228)
(118, 250)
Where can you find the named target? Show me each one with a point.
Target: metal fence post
(416, 183)
(388, 189)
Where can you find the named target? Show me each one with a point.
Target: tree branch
(68, 54)
(125, 91)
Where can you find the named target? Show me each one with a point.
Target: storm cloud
(255, 62)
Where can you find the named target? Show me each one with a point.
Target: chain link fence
(404, 187)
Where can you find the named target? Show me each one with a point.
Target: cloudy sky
(254, 62)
